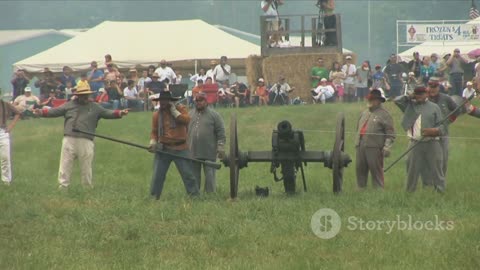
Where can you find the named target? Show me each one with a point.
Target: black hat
(420, 90)
(164, 95)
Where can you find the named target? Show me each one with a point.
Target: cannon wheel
(338, 149)
(234, 157)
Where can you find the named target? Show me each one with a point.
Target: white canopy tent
(442, 48)
(141, 44)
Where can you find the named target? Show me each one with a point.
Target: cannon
(289, 154)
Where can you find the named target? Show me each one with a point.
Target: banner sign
(418, 33)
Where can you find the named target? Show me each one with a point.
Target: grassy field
(118, 226)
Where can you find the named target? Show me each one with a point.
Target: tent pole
(196, 64)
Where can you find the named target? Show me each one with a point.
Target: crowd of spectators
(342, 82)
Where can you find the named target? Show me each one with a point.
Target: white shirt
(415, 132)
(271, 11)
(284, 88)
(197, 77)
(349, 70)
(130, 92)
(220, 74)
(210, 74)
(326, 90)
(467, 93)
(166, 73)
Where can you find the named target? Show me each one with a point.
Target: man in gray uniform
(206, 138)
(375, 136)
(447, 105)
(84, 115)
(421, 121)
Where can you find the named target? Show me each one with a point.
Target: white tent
(441, 48)
(141, 43)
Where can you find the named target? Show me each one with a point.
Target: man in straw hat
(84, 115)
(206, 138)
(420, 122)
(169, 134)
(375, 137)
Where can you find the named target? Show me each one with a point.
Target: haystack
(295, 67)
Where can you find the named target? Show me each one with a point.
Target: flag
(474, 11)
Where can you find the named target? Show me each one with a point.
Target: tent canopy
(141, 44)
(441, 48)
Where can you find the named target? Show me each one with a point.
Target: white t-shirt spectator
(220, 74)
(468, 93)
(349, 70)
(23, 102)
(197, 77)
(326, 90)
(130, 93)
(166, 73)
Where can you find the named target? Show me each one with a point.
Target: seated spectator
(26, 103)
(209, 80)
(69, 91)
(279, 92)
(114, 94)
(197, 89)
(102, 98)
(133, 75)
(155, 86)
(143, 82)
(323, 92)
(48, 103)
(240, 92)
(83, 82)
(469, 91)
(225, 95)
(131, 95)
(261, 92)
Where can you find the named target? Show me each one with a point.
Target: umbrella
(474, 53)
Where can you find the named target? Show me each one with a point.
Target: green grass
(118, 226)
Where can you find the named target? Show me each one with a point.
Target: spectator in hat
(322, 92)
(446, 105)
(81, 114)
(95, 77)
(261, 92)
(468, 91)
(102, 98)
(443, 69)
(434, 62)
(374, 140)
(19, 82)
(278, 93)
(393, 75)
(169, 134)
(349, 83)
(411, 82)
(26, 103)
(166, 72)
(421, 123)
(6, 110)
(156, 86)
(206, 139)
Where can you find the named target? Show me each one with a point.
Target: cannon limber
(289, 154)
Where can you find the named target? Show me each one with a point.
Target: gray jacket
(206, 134)
(447, 105)
(429, 111)
(83, 117)
(379, 129)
